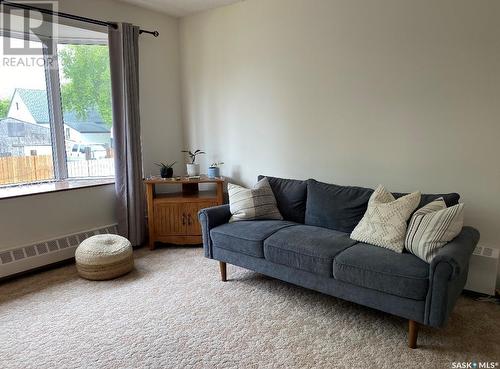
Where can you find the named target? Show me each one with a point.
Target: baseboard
(37, 270)
(24, 258)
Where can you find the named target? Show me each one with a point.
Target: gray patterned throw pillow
(431, 227)
(253, 203)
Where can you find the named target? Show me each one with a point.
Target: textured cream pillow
(431, 227)
(384, 223)
(253, 203)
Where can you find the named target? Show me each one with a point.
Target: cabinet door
(170, 219)
(193, 225)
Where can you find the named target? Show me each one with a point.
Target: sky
(22, 75)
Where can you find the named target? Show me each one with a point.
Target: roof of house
(16, 132)
(4, 124)
(36, 102)
(10, 120)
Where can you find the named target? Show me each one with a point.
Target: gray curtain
(124, 59)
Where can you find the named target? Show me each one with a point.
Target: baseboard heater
(21, 259)
(483, 266)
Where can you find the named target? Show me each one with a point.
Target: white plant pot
(193, 169)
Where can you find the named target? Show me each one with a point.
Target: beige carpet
(173, 312)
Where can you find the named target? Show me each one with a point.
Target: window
(16, 129)
(55, 115)
(25, 128)
(86, 104)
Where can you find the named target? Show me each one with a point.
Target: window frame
(53, 86)
(54, 101)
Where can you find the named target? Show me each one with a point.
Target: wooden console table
(173, 217)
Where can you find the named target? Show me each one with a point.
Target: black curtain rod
(71, 16)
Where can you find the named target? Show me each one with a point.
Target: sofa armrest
(448, 274)
(457, 253)
(211, 218)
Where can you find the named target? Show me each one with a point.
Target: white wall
(40, 150)
(19, 110)
(29, 219)
(33, 218)
(360, 92)
(92, 138)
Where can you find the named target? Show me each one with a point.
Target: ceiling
(180, 8)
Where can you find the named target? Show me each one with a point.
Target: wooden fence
(25, 169)
(20, 169)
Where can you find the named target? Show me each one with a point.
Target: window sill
(49, 187)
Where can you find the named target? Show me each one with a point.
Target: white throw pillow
(432, 226)
(253, 203)
(384, 222)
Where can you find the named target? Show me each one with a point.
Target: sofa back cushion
(335, 207)
(291, 197)
(342, 207)
(450, 199)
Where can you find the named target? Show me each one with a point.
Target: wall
(33, 218)
(92, 138)
(19, 110)
(30, 219)
(400, 92)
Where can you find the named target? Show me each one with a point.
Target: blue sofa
(311, 248)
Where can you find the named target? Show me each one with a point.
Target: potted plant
(193, 169)
(214, 169)
(166, 170)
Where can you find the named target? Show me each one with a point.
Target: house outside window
(53, 106)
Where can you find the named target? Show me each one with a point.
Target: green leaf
(4, 107)
(87, 85)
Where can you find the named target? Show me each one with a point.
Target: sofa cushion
(246, 237)
(449, 198)
(291, 197)
(383, 270)
(335, 207)
(306, 247)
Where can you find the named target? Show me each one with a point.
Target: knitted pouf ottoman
(104, 256)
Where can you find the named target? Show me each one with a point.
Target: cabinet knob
(183, 219)
(189, 219)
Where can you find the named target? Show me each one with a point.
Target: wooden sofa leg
(412, 334)
(223, 271)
